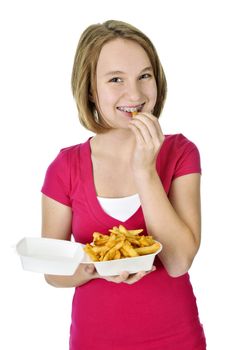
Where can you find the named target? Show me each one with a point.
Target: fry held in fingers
(120, 243)
(133, 114)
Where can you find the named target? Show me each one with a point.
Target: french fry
(134, 241)
(124, 253)
(148, 250)
(117, 255)
(146, 241)
(99, 238)
(112, 251)
(134, 114)
(99, 250)
(135, 232)
(122, 229)
(89, 250)
(127, 247)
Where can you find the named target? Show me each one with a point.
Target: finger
(155, 120)
(90, 268)
(135, 277)
(148, 115)
(123, 276)
(138, 276)
(147, 128)
(152, 125)
(153, 268)
(151, 118)
(137, 133)
(158, 136)
(143, 130)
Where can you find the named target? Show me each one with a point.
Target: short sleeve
(57, 179)
(188, 158)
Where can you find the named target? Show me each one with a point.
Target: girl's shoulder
(180, 155)
(177, 139)
(66, 159)
(71, 152)
(62, 174)
(178, 143)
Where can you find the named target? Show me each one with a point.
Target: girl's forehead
(121, 54)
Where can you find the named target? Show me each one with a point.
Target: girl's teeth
(130, 110)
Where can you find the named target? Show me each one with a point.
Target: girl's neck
(117, 142)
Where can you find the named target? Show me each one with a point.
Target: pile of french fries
(120, 243)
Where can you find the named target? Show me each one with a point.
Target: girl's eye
(116, 80)
(145, 76)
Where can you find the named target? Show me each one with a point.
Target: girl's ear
(91, 96)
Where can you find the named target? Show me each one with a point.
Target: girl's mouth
(131, 109)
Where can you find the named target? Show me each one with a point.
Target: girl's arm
(56, 223)
(174, 221)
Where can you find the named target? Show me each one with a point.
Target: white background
(38, 117)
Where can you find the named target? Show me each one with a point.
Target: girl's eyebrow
(149, 69)
(118, 72)
(115, 72)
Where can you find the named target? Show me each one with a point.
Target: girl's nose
(133, 91)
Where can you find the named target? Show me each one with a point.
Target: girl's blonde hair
(84, 70)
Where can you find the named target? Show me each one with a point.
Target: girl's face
(125, 82)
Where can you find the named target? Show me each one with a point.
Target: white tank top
(120, 208)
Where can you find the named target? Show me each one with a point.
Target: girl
(129, 173)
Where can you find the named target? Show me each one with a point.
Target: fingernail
(124, 275)
(89, 268)
(141, 274)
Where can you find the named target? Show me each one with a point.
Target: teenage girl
(128, 173)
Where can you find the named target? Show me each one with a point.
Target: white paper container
(50, 256)
(60, 257)
(131, 265)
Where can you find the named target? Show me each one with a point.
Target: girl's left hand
(127, 278)
(124, 277)
(149, 138)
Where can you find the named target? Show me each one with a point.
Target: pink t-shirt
(158, 312)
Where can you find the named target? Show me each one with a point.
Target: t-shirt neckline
(91, 195)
